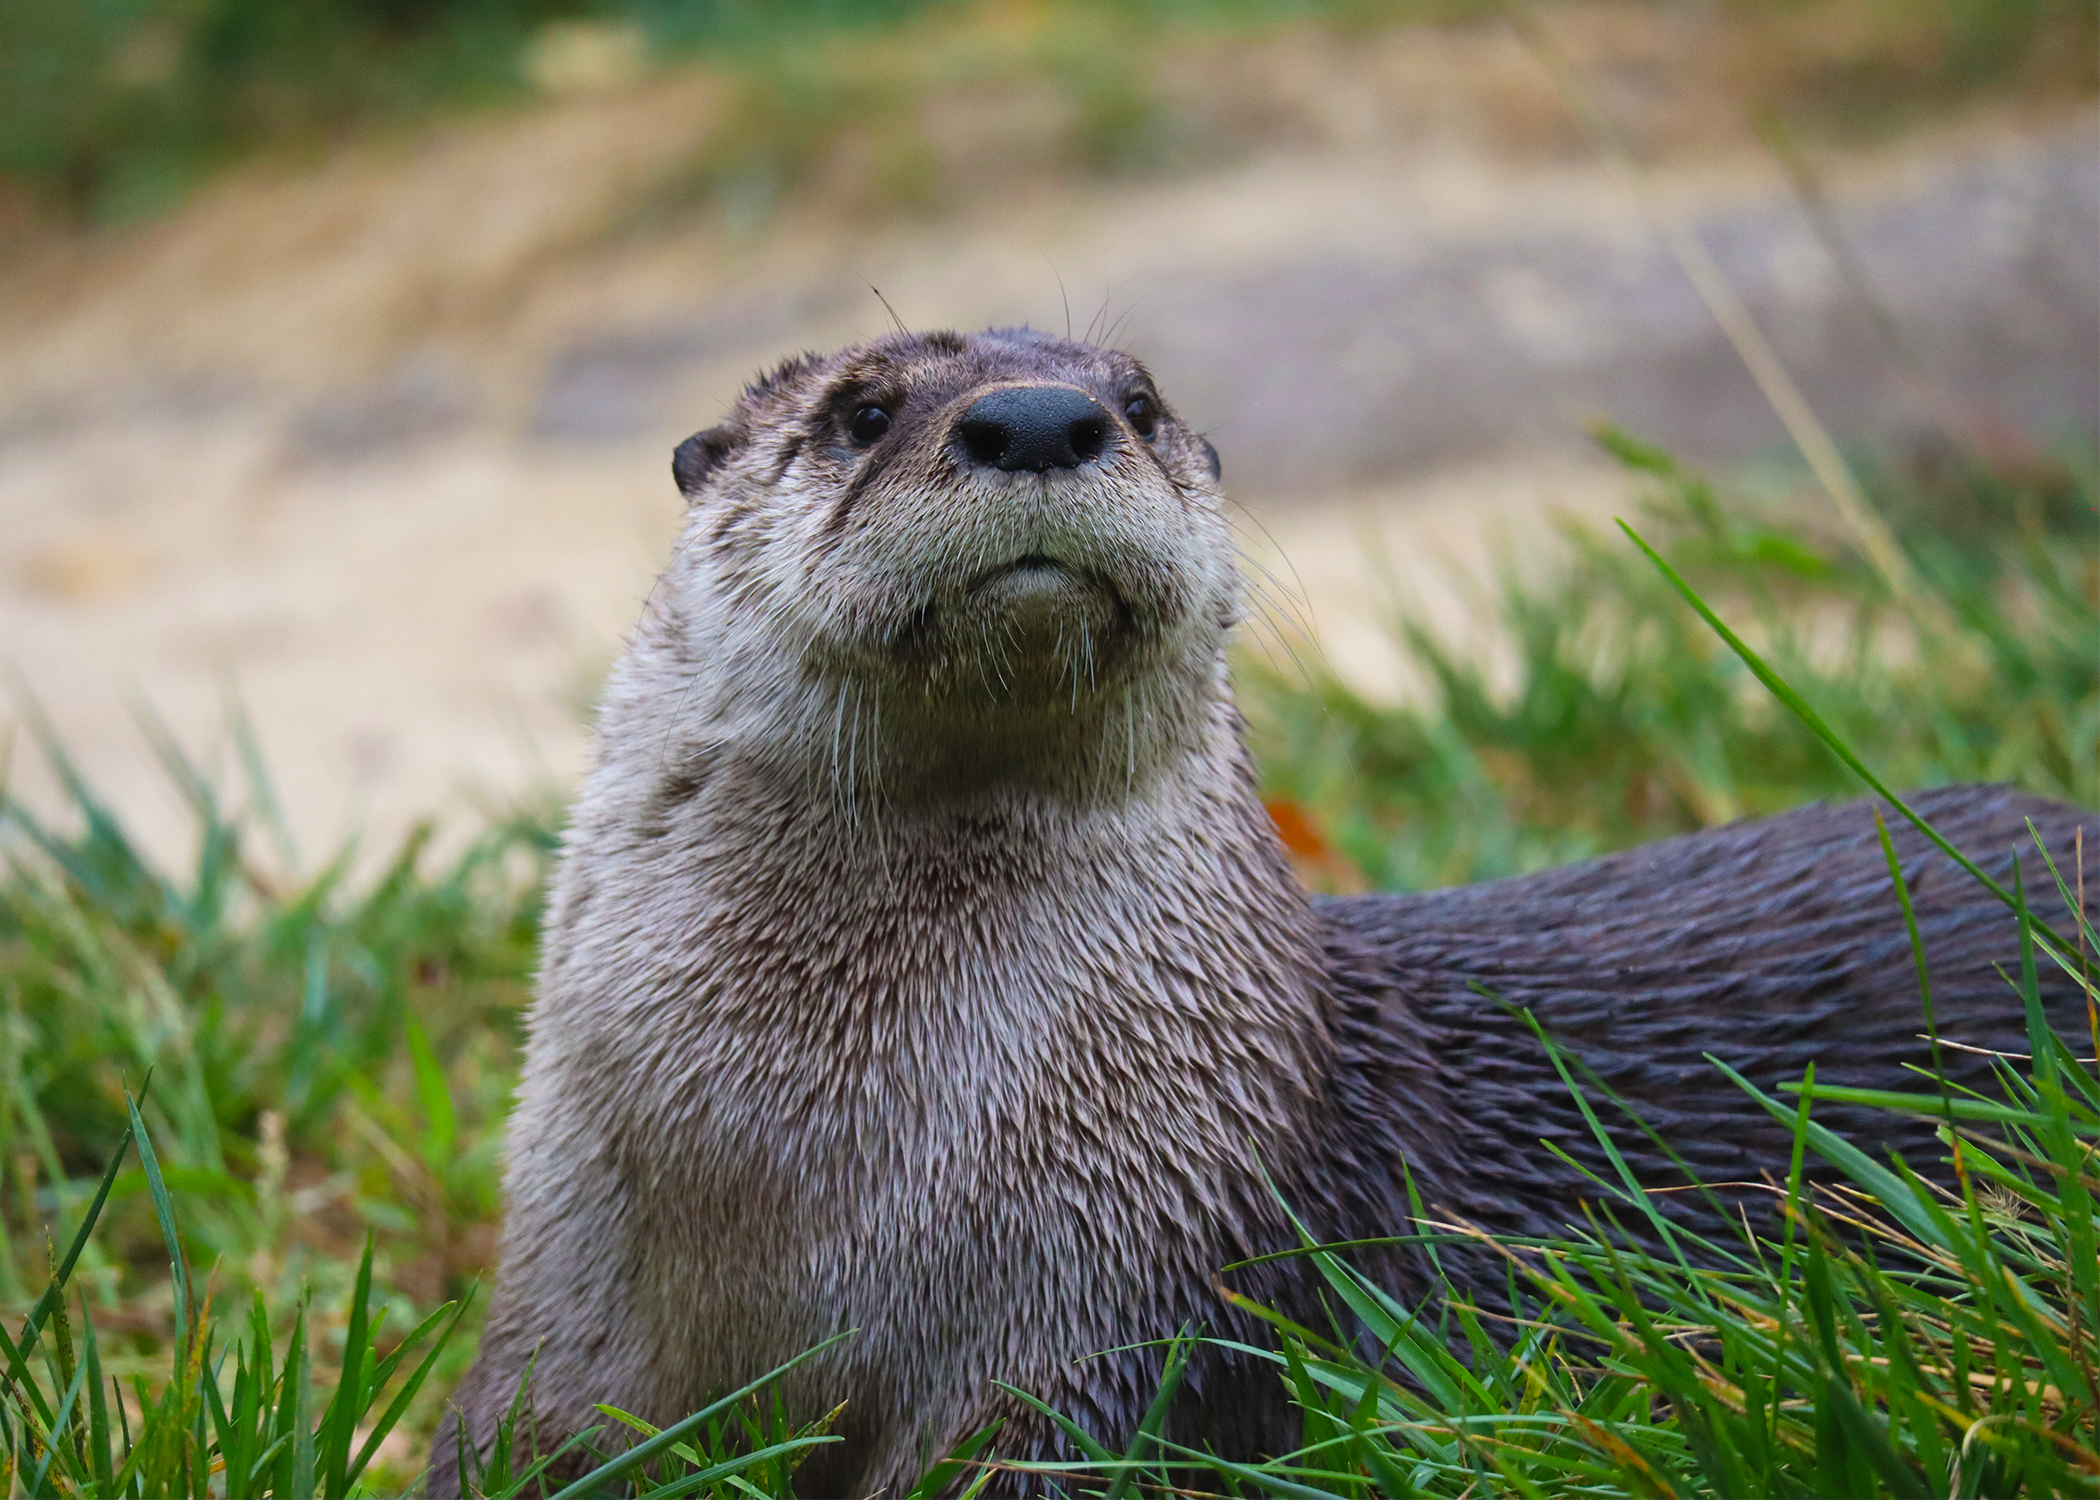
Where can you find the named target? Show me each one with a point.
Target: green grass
(330, 1061)
(327, 1063)
(230, 1418)
(1623, 718)
(1890, 1338)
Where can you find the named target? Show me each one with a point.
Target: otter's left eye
(1142, 415)
(869, 423)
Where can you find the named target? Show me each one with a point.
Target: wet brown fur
(922, 961)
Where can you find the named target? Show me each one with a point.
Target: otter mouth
(1036, 587)
(1032, 572)
(1029, 617)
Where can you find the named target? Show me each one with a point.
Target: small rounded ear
(699, 455)
(1210, 457)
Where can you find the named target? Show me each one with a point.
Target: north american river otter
(923, 962)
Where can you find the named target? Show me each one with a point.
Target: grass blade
(164, 1211)
(642, 1452)
(1798, 706)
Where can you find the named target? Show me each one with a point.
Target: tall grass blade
(338, 1423)
(407, 1394)
(1147, 1434)
(164, 1211)
(643, 1452)
(1822, 731)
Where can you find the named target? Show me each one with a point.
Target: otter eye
(1142, 415)
(869, 423)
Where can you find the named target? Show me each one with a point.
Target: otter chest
(924, 1175)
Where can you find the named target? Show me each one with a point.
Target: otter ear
(1210, 457)
(700, 455)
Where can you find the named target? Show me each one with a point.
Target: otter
(922, 961)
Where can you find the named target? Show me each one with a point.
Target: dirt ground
(379, 448)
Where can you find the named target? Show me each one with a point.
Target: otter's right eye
(868, 424)
(1142, 415)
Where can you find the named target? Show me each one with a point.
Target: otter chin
(922, 963)
(1046, 613)
(1034, 592)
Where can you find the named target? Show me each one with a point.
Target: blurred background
(343, 343)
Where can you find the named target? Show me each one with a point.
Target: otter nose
(1034, 427)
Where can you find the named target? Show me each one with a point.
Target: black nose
(1034, 427)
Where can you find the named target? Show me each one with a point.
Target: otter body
(922, 961)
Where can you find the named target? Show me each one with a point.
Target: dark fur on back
(1768, 945)
(923, 962)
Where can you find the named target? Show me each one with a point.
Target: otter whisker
(1240, 517)
(1261, 622)
(663, 745)
(875, 796)
(1252, 589)
(1266, 597)
(1263, 611)
(1108, 299)
(1256, 574)
(852, 763)
(1003, 661)
(1130, 739)
(1099, 313)
(838, 734)
(983, 652)
(678, 552)
(1123, 317)
(1299, 607)
(1068, 663)
(1265, 614)
(1260, 630)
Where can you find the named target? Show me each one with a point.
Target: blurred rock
(1321, 366)
(1334, 371)
(422, 398)
(620, 384)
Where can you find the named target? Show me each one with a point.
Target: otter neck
(967, 939)
(1078, 1028)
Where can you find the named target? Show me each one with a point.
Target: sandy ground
(379, 450)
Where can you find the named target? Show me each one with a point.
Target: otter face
(1004, 538)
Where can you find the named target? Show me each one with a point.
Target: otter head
(941, 563)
